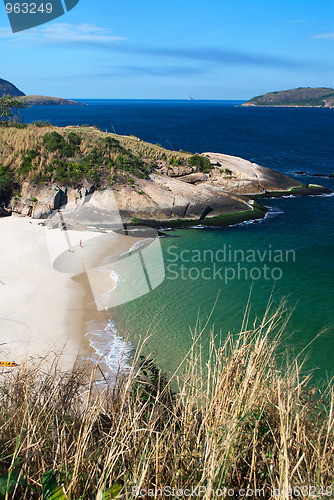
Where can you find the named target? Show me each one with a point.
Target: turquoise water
(305, 277)
(285, 139)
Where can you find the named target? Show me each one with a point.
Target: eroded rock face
(39, 201)
(4, 212)
(240, 176)
(159, 197)
(189, 195)
(174, 170)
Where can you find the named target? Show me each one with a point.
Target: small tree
(9, 106)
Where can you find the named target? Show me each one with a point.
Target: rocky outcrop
(226, 189)
(159, 197)
(4, 212)
(243, 177)
(39, 201)
(163, 197)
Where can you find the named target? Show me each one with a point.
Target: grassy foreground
(249, 421)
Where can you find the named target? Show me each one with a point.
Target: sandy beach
(54, 283)
(41, 310)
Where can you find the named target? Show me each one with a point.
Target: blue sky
(211, 49)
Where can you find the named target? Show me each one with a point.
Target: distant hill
(33, 100)
(302, 96)
(41, 100)
(9, 88)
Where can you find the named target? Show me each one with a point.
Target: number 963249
(29, 8)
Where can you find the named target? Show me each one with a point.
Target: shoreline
(224, 220)
(257, 212)
(42, 311)
(282, 106)
(47, 316)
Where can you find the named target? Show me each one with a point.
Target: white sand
(41, 310)
(53, 282)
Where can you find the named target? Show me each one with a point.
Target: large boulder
(240, 176)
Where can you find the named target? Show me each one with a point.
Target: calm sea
(295, 241)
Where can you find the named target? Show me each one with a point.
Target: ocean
(289, 253)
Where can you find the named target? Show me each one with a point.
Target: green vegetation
(9, 107)
(201, 163)
(257, 212)
(56, 142)
(249, 419)
(42, 154)
(295, 97)
(27, 162)
(41, 123)
(175, 161)
(7, 184)
(67, 159)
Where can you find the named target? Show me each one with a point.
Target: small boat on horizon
(191, 98)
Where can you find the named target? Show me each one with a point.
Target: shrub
(27, 159)
(56, 142)
(74, 139)
(111, 142)
(201, 163)
(41, 124)
(7, 184)
(174, 161)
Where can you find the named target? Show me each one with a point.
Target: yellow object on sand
(8, 364)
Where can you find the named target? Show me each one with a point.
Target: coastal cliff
(45, 168)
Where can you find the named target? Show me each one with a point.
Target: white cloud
(327, 36)
(60, 33)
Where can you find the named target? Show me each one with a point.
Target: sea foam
(109, 348)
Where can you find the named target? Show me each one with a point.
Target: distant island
(8, 88)
(42, 100)
(319, 97)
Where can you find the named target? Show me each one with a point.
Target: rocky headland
(45, 168)
(42, 100)
(318, 97)
(8, 88)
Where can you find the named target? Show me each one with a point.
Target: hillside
(8, 88)
(33, 100)
(41, 100)
(319, 97)
(43, 167)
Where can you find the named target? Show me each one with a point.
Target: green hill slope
(320, 97)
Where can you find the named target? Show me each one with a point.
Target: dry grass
(244, 421)
(15, 142)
